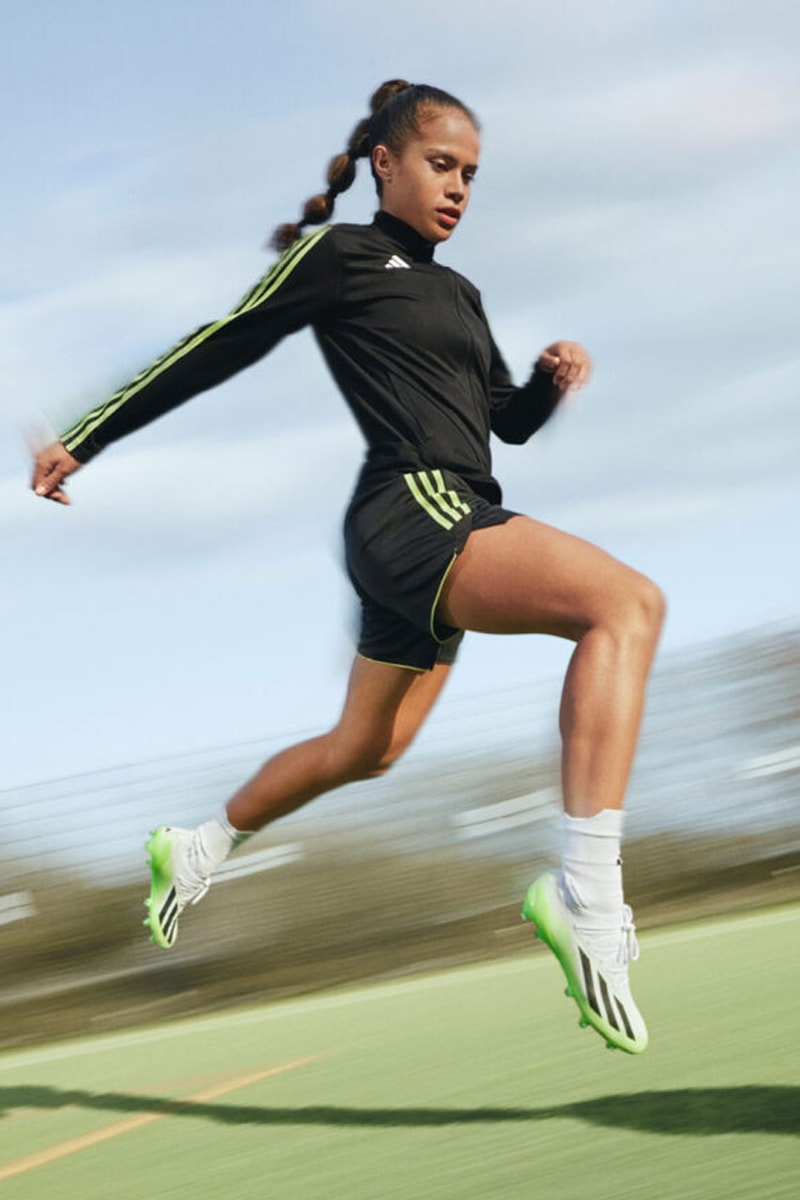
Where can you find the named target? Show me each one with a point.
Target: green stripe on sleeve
(266, 287)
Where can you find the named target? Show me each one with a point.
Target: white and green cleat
(173, 883)
(594, 958)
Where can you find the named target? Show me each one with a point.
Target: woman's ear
(382, 163)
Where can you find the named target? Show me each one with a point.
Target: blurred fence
(423, 867)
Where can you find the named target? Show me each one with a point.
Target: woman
(429, 548)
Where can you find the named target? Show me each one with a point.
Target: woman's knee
(395, 750)
(351, 762)
(377, 763)
(644, 609)
(653, 604)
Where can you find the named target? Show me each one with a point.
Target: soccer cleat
(594, 959)
(173, 883)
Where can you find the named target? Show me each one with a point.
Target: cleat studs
(610, 1046)
(583, 1023)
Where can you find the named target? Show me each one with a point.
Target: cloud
(709, 108)
(69, 344)
(606, 210)
(643, 466)
(221, 490)
(637, 191)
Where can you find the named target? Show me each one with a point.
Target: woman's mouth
(449, 217)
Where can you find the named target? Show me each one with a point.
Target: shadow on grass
(699, 1112)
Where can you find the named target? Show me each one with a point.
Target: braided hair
(394, 119)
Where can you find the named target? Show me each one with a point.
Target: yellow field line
(85, 1142)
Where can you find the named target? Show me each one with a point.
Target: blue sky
(638, 192)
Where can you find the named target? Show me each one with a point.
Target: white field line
(777, 763)
(16, 907)
(496, 818)
(261, 860)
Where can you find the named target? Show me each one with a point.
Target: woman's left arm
(568, 363)
(518, 412)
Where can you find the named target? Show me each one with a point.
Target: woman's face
(428, 184)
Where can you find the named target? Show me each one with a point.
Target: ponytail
(395, 117)
(341, 170)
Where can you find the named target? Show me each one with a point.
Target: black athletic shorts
(401, 538)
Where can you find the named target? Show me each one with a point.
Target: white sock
(591, 872)
(214, 840)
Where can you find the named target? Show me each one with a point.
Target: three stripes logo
(396, 261)
(266, 287)
(612, 1005)
(442, 504)
(168, 916)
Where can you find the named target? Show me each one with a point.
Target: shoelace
(206, 884)
(628, 950)
(198, 882)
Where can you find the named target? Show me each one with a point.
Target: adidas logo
(608, 1002)
(396, 261)
(168, 916)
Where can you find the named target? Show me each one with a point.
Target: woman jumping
(429, 548)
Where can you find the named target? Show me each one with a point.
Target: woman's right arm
(301, 285)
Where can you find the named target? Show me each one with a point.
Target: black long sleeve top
(406, 340)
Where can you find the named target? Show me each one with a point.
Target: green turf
(470, 1084)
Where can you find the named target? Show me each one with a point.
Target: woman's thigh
(526, 577)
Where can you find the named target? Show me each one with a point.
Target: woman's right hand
(51, 466)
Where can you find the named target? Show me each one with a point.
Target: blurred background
(638, 192)
(424, 868)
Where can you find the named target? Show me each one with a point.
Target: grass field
(471, 1083)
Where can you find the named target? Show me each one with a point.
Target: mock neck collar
(412, 242)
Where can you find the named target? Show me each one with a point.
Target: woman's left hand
(569, 364)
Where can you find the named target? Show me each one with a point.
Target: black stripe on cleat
(612, 1016)
(625, 1020)
(588, 981)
